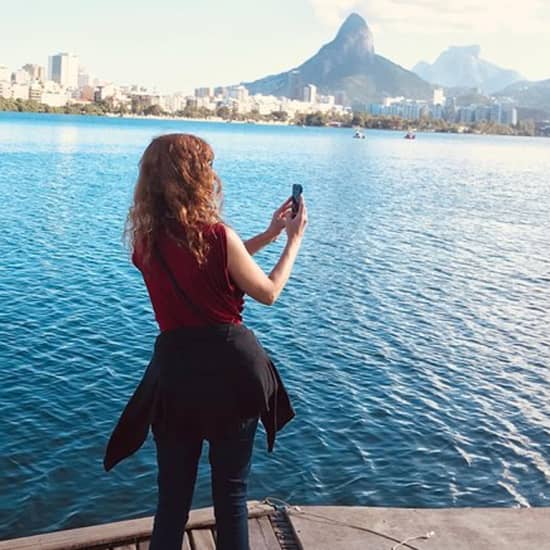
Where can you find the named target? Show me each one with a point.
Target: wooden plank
(261, 534)
(204, 517)
(202, 539)
(115, 534)
(111, 534)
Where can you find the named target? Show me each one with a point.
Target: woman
(212, 380)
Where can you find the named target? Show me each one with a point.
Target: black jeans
(230, 457)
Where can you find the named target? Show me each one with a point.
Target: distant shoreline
(196, 119)
(465, 129)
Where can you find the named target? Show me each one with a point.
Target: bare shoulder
(231, 235)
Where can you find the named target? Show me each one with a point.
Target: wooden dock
(328, 528)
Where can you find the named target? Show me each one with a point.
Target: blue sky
(179, 45)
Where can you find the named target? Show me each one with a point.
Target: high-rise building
(495, 112)
(84, 78)
(482, 113)
(450, 109)
(63, 69)
(205, 91)
(36, 72)
(340, 98)
(438, 96)
(220, 91)
(466, 114)
(295, 85)
(509, 115)
(310, 93)
(240, 93)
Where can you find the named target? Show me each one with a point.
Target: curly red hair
(176, 189)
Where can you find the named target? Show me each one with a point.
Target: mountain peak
(355, 34)
(471, 51)
(346, 65)
(354, 23)
(462, 67)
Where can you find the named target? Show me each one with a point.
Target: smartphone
(297, 190)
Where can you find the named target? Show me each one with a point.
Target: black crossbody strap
(197, 310)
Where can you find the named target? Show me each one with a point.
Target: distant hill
(530, 95)
(347, 64)
(461, 66)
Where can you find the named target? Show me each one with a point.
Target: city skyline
(150, 48)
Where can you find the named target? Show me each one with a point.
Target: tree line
(347, 120)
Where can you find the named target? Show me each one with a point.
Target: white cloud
(436, 16)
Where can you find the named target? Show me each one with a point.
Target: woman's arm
(272, 232)
(248, 275)
(259, 241)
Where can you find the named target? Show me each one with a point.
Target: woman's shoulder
(225, 233)
(225, 230)
(219, 228)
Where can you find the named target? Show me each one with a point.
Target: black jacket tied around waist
(201, 380)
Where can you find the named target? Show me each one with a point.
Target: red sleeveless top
(209, 286)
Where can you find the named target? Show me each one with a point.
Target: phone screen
(297, 190)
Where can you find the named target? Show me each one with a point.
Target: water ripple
(413, 335)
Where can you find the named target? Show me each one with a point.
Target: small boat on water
(358, 135)
(410, 135)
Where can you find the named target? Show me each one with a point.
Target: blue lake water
(414, 334)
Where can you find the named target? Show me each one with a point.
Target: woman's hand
(278, 220)
(295, 227)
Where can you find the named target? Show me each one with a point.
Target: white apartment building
(53, 94)
(326, 99)
(310, 93)
(5, 89)
(240, 93)
(35, 92)
(265, 104)
(205, 91)
(103, 92)
(21, 77)
(19, 91)
(54, 99)
(175, 102)
(35, 72)
(387, 101)
(438, 97)
(84, 78)
(63, 69)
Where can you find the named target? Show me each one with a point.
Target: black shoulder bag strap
(197, 310)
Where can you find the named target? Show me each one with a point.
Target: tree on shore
(281, 116)
(223, 112)
(153, 110)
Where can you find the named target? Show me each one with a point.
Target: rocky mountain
(529, 95)
(461, 66)
(348, 64)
